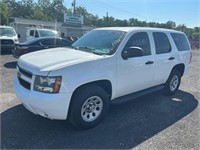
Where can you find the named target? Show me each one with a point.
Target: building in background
(64, 29)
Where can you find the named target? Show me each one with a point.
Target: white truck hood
(8, 37)
(53, 59)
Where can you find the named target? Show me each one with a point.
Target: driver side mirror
(132, 52)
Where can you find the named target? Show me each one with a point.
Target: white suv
(8, 38)
(105, 65)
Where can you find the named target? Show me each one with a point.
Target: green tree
(89, 19)
(57, 10)
(197, 29)
(170, 25)
(196, 34)
(22, 9)
(108, 21)
(181, 27)
(39, 14)
(4, 11)
(133, 22)
(27, 8)
(121, 23)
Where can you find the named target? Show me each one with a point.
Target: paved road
(151, 122)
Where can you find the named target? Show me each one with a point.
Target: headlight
(47, 84)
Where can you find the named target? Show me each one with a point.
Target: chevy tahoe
(106, 65)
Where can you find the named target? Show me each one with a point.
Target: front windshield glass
(44, 33)
(102, 42)
(7, 32)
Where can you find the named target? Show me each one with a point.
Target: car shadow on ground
(10, 65)
(126, 125)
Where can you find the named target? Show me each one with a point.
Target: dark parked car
(39, 44)
(71, 38)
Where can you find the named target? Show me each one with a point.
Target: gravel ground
(150, 122)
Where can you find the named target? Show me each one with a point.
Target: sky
(185, 12)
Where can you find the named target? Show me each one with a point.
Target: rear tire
(173, 82)
(88, 106)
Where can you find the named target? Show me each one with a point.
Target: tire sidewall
(167, 89)
(80, 98)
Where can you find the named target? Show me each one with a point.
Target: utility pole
(74, 5)
(107, 19)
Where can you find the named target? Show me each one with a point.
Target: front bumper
(7, 48)
(52, 106)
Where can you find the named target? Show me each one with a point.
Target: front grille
(24, 83)
(24, 72)
(7, 42)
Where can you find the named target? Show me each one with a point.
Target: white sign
(73, 20)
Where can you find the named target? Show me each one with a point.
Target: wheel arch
(105, 84)
(180, 68)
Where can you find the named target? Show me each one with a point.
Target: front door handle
(171, 58)
(149, 62)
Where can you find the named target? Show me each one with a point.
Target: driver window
(141, 40)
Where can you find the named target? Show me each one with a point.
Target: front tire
(88, 106)
(173, 82)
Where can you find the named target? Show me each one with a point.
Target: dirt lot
(150, 122)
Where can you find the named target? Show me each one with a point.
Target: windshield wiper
(98, 53)
(88, 49)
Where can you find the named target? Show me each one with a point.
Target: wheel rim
(91, 108)
(174, 83)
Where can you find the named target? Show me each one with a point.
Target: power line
(118, 10)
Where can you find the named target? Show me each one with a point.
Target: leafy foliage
(52, 10)
(4, 13)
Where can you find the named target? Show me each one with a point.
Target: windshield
(7, 32)
(103, 42)
(44, 33)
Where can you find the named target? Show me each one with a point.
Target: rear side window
(180, 41)
(49, 42)
(162, 43)
(36, 34)
(64, 42)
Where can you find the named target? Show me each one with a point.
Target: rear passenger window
(36, 34)
(180, 41)
(141, 40)
(49, 42)
(64, 42)
(162, 43)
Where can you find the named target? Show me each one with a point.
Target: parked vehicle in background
(8, 38)
(71, 38)
(106, 65)
(36, 32)
(39, 44)
(195, 44)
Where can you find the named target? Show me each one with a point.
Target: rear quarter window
(48, 42)
(162, 43)
(180, 41)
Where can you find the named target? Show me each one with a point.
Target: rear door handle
(171, 58)
(149, 62)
